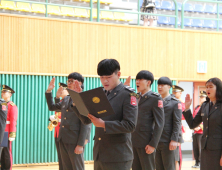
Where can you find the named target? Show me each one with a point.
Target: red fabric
(56, 134)
(12, 117)
(194, 114)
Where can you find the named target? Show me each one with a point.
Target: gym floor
(187, 163)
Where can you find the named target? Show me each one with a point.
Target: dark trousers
(70, 160)
(165, 158)
(197, 146)
(6, 157)
(59, 155)
(98, 165)
(142, 160)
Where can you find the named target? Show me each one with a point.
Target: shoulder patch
(156, 94)
(13, 104)
(134, 94)
(174, 98)
(130, 88)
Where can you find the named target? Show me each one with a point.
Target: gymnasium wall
(44, 46)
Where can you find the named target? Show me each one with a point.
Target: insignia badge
(179, 106)
(160, 103)
(4, 108)
(202, 114)
(95, 100)
(133, 101)
(136, 95)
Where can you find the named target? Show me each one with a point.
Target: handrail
(218, 15)
(98, 10)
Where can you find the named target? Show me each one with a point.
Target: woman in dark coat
(210, 114)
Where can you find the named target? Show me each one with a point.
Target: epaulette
(156, 94)
(130, 88)
(11, 103)
(2, 100)
(174, 98)
(134, 94)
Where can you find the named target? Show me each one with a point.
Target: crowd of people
(145, 133)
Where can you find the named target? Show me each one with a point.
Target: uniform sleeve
(57, 100)
(193, 122)
(128, 122)
(51, 105)
(13, 120)
(158, 114)
(177, 115)
(84, 134)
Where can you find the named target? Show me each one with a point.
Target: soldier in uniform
(177, 92)
(149, 125)
(6, 155)
(112, 142)
(56, 134)
(198, 132)
(210, 114)
(165, 152)
(73, 133)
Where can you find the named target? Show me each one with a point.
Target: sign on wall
(201, 66)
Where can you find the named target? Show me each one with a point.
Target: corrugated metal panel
(34, 143)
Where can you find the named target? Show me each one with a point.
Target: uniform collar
(145, 93)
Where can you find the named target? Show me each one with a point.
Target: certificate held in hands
(93, 101)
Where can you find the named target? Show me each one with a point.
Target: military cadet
(73, 133)
(210, 114)
(112, 146)
(52, 117)
(165, 152)
(177, 92)
(198, 133)
(6, 155)
(149, 125)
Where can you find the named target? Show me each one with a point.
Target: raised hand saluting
(51, 84)
(127, 82)
(188, 102)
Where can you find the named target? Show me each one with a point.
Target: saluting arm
(193, 122)
(128, 123)
(51, 105)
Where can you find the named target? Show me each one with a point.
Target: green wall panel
(34, 142)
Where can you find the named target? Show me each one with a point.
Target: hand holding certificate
(93, 101)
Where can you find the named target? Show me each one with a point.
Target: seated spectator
(148, 6)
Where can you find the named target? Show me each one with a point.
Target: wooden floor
(187, 163)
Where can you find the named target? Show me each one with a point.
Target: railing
(218, 15)
(98, 10)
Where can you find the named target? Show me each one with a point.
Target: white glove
(11, 139)
(52, 117)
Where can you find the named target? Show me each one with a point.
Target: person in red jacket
(198, 133)
(6, 155)
(56, 134)
(177, 92)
